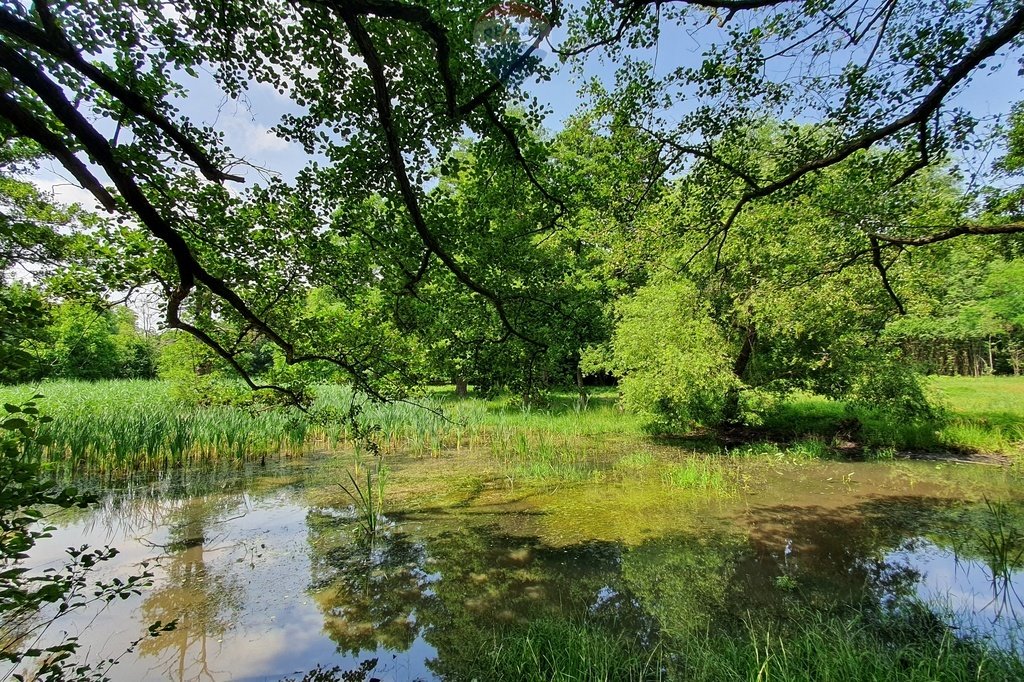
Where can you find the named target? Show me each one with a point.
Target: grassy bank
(127, 425)
(909, 646)
(971, 415)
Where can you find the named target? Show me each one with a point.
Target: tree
(672, 360)
(800, 298)
(386, 88)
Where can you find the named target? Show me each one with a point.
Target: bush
(672, 360)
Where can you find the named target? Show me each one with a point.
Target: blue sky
(247, 123)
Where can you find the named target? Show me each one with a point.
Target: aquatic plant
(549, 649)
(120, 426)
(696, 473)
(368, 499)
(907, 645)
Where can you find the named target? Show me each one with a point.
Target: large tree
(385, 90)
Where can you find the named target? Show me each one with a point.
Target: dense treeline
(55, 319)
(976, 326)
(80, 341)
(630, 284)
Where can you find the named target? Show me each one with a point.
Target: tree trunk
(731, 411)
(461, 387)
(579, 383)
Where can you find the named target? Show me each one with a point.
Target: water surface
(267, 575)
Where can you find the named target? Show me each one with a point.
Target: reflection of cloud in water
(277, 587)
(979, 603)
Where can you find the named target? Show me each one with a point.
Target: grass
(553, 650)
(974, 415)
(368, 499)
(909, 645)
(696, 473)
(117, 426)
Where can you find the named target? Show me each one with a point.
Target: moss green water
(737, 568)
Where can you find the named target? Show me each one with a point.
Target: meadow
(118, 426)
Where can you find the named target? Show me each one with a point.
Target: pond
(267, 573)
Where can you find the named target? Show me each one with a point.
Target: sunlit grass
(909, 646)
(696, 473)
(549, 650)
(984, 414)
(128, 425)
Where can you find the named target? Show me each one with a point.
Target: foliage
(549, 650)
(83, 342)
(794, 299)
(336, 674)
(32, 601)
(395, 251)
(22, 318)
(670, 358)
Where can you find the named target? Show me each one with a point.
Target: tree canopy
(435, 218)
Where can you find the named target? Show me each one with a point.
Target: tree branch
(876, 259)
(189, 269)
(382, 99)
(1007, 228)
(54, 42)
(28, 125)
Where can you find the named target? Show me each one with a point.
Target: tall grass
(908, 646)
(552, 650)
(112, 426)
(130, 425)
(905, 646)
(368, 499)
(696, 473)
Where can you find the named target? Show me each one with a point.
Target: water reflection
(263, 586)
(447, 589)
(203, 598)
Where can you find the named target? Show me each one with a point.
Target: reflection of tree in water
(368, 589)
(685, 583)
(140, 505)
(461, 587)
(455, 589)
(862, 555)
(830, 557)
(488, 583)
(202, 600)
(990, 533)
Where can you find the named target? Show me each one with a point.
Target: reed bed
(117, 426)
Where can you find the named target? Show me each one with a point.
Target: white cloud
(248, 137)
(65, 191)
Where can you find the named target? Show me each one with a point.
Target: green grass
(696, 473)
(973, 415)
(114, 426)
(906, 646)
(129, 425)
(553, 650)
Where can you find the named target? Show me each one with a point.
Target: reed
(121, 426)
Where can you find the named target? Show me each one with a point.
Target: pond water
(267, 575)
